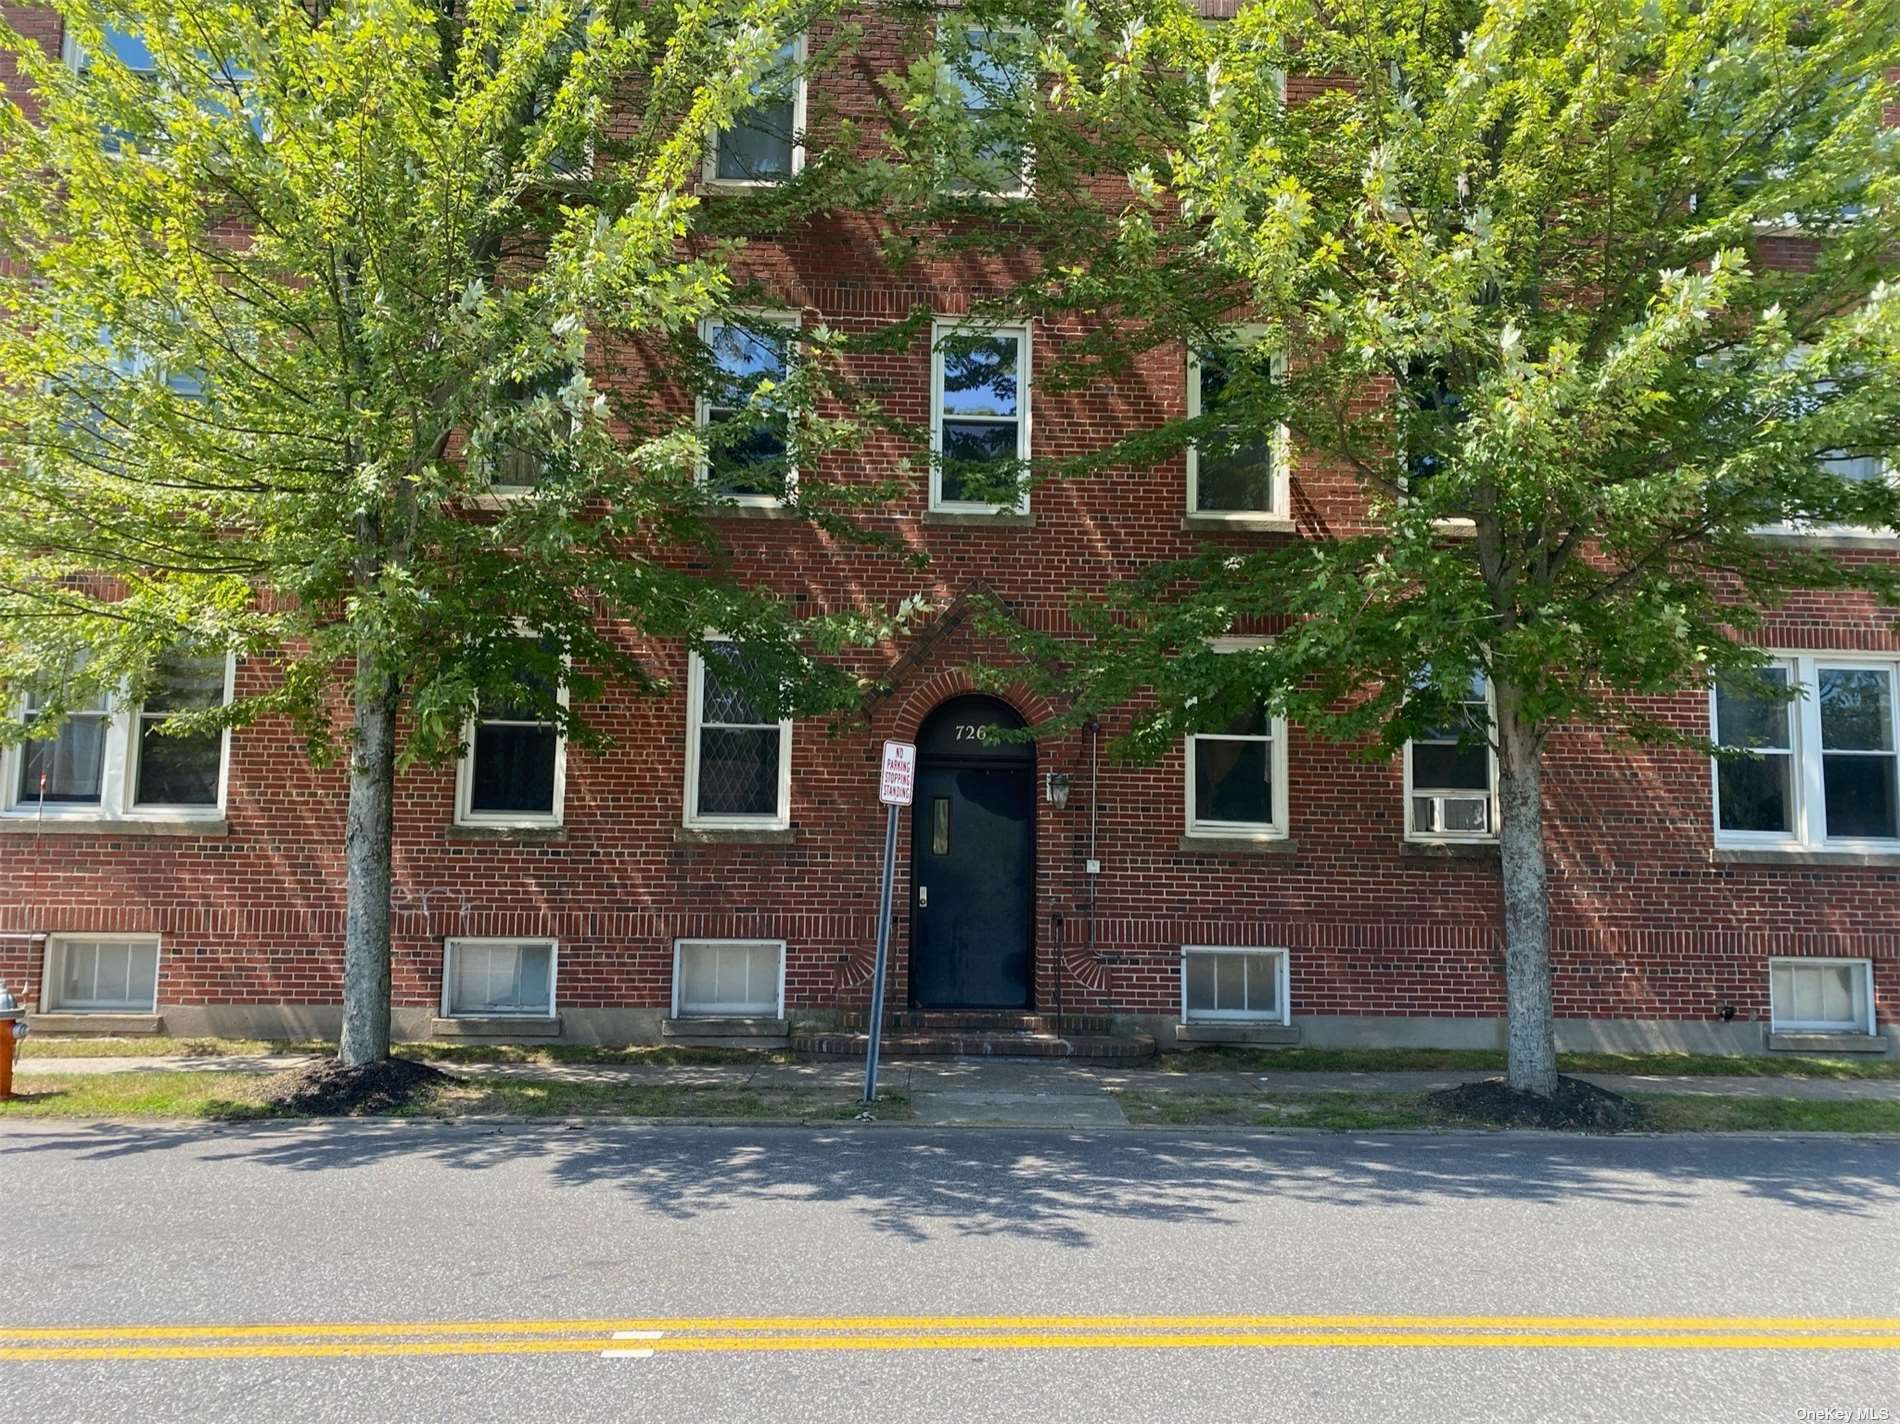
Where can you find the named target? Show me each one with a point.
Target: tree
(290, 286)
(1584, 295)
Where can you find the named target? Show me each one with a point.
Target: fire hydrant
(13, 1030)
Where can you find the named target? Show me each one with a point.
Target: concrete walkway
(1004, 1092)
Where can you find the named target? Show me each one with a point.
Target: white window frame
(709, 169)
(53, 964)
(781, 819)
(1865, 1024)
(1489, 837)
(455, 943)
(1282, 990)
(793, 321)
(1249, 335)
(942, 328)
(1026, 175)
(679, 948)
(1794, 529)
(118, 776)
(1276, 732)
(466, 815)
(1807, 783)
(495, 495)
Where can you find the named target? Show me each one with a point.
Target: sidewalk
(1007, 1092)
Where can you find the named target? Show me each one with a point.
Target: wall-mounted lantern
(1056, 784)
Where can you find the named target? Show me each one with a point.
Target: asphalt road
(411, 1271)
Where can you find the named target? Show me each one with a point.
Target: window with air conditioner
(1451, 774)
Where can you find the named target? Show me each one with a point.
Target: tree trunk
(1531, 1061)
(366, 851)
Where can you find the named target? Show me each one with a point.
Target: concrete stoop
(978, 1035)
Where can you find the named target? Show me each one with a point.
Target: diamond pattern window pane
(739, 771)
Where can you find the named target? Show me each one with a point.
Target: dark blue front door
(972, 861)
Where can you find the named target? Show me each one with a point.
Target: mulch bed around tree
(329, 1088)
(1576, 1106)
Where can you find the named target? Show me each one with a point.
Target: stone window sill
(28, 825)
(1796, 859)
(496, 1026)
(1208, 1031)
(529, 834)
(709, 1027)
(118, 1025)
(754, 511)
(1237, 845)
(736, 835)
(1238, 524)
(1450, 850)
(1827, 1043)
(1820, 539)
(975, 519)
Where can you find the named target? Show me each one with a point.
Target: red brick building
(716, 873)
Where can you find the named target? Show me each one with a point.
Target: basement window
(493, 978)
(85, 975)
(1223, 985)
(729, 978)
(1821, 995)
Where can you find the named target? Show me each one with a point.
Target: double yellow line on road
(787, 1333)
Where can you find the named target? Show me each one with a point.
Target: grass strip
(1362, 1112)
(233, 1097)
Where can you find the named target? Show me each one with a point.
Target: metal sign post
(896, 785)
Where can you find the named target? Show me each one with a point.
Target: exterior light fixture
(1056, 784)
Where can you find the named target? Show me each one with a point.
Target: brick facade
(1654, 934)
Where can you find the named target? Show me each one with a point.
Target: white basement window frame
(728, 978)
(791, 56)
(697, 815)
(509, 721)
(973, 416)
(1279, 497)
(1236, 984)
(1430, 809)
(100, 974)
(1821, 995)
(105, 757)
(706, 410)
(485, 977)
(1823, 747)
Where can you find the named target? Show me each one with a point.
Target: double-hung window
(1451, 774)
(738, 754)
(745, 425)
(766, 142)
(1236, 470)
(129, 49)
(1856, 465)
(993, 72)
(979, 424)
(180, 769)
(1236, 779)
(500, 978)
(515, 769)
(111, 757)
(1825, 765)
(532, 420)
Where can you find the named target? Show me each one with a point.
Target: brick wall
(1646, 925)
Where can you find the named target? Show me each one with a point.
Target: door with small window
(972, 860)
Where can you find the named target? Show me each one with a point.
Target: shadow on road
(1052, 1187)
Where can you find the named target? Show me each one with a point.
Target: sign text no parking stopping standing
(897, 783)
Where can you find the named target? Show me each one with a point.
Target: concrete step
(980, 1021)
(977, 1043)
